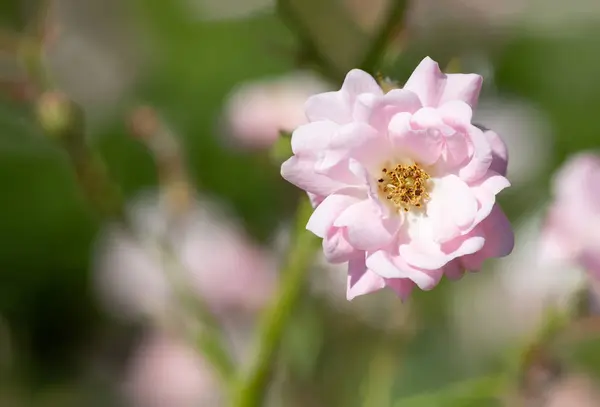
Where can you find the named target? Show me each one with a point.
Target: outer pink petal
(314, 199)
(301, 172)
(434, 88)
(359, 136)
(481, 159)
(427, 81)
(328, 106)
(486, 190)
(325, 214)
(339, 106)
(402, 287)
(425, 257)
(312, 138)
(358, 82)
(454, 270)
(336, 247)
(499, 152)
(499, 239)
(464, 87)
(361, 280)
(366, 229)
(392, 266)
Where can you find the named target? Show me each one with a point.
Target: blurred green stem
(392, 23)
(253, 387)
(208, 337)
(310, 50)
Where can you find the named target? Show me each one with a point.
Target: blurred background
(191, 95)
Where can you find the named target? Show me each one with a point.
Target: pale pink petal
(313, 137)
(453, 208)
(499, 239)
(499, 152)
(425, 147)
(366, 229)
(463, 87)
(328, 106)
(482, 157)
(391, 267)
(336, 247)
(344, 141)
(314, 199)
(361, 280)
(485, 191)
(426, 257)
(394, 102)
(325, 214)
(358, 82)
(402, 287)
(456, 113)
(427, 81)
(434, 88)
(425, 118)
(301, 173)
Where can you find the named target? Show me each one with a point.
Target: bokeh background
(224, 76)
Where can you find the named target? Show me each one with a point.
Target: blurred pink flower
(215, 258)
(572, 229)
(408, 185)
(526, 131)
(256, 112)
(492, 310)
(165, 372)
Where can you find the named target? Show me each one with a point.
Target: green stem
(253, 387)
(207, 337)
(459, 393)
(395, 17)
(310, 50)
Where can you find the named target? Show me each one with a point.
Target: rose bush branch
(63, 121)
(252, 388)
(393, 22)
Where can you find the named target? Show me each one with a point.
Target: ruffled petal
(362, 280)
(325, 214)
(366, 229)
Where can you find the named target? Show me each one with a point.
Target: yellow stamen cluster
(405, 186)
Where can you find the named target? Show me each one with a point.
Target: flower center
(405, 186)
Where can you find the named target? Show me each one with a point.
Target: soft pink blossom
(572, 230)
(407, 185)
(213, 257)
(166, 372)
(495, 310)
(257, 112)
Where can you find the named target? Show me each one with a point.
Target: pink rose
(407, 185)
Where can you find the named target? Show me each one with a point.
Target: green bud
(57, 114)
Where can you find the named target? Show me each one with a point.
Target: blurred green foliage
(47, 232)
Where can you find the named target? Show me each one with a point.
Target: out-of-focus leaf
(339, 38)
(476, 392)
(303, 341)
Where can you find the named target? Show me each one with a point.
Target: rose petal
(482, 156)
(301, 172)
(336, 247)
(452, 208)
(325, 214)
(366, 229)
(313, 137)
(463, 87)
(425, 147)
(361, 280)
